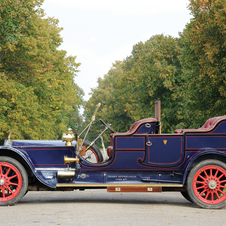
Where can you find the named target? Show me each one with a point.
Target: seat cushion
(110, 151)
(209, 125)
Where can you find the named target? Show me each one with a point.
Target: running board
(114, 186)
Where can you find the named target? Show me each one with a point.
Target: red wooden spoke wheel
(207, 184)
(13, 181)
(10, 181)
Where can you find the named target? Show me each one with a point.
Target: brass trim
(43, 146)
(70, 160)
(66, 174)
(53, 169)
(119, 185)
(149, 143)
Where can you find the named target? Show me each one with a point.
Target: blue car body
(139, 160)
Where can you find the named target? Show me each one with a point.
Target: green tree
(204, 60)
(153, 71)
(14, 18)
(111, 110)
(128, 91)
(40, 76)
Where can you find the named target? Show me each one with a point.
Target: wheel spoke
(211, 172)
(202, 177)
(6, 174)
(219, 190)
(211, 196)
(207, 195)
(10, 190)
(12, 177)
(0, 170)
(13, 184)
(221, 186)
(223, 181)
(200, 182)
(217, 194)
(202, 192)
(206, 174)
(221, 176)
(3, 192)
(215, 175)
(202, 187)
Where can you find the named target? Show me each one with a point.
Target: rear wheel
(207, 184)
(93, 154)
(13, 181)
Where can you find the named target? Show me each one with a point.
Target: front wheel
(93, 154)
(207, 184)
(13, 181)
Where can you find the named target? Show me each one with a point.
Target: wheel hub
(2, 182)
(212, 184)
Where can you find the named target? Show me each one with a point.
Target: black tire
(13, 181)
(206, 184)
(93, 154)
(185, 195)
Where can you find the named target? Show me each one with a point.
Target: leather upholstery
(209, 125)
(110, 151)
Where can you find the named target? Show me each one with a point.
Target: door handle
(149, 143)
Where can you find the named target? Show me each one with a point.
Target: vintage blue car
(191, 161)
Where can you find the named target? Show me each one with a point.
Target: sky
(100, 32)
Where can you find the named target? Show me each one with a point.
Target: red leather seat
(209, 125)
(110, 151)
(137, 123)
(131, 131)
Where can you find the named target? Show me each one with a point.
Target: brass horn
(68, 160)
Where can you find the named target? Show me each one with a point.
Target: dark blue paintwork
(139, 156)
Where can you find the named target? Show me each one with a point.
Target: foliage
(152, 72)
(128, 91)
(188, 74)
(204, 60)
(111, 110)
(38, 92)
(14, 18)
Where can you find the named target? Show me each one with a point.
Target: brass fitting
(68, 137)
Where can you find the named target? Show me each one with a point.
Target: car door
(164, 150)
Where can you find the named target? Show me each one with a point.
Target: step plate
(134, 189)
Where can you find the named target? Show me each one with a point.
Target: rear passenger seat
(209, 125)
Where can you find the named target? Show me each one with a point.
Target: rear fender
(203, 155)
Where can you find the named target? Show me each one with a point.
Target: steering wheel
(108, 126)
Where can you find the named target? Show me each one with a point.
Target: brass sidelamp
(68, 137)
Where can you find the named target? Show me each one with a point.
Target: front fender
(24, 156)
(200, 155)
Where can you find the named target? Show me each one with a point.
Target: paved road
(99, 208)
